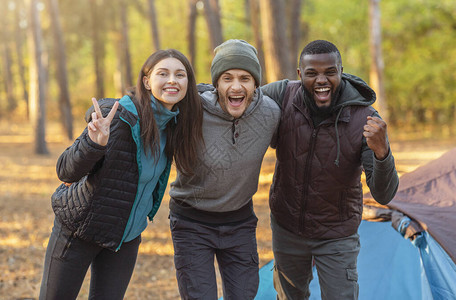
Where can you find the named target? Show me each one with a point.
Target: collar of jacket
(161, 114)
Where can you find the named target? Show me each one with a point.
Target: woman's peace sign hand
(99, 127)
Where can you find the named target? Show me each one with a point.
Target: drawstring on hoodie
(336, 162)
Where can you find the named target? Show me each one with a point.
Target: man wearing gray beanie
(235, 54)
(211, 212)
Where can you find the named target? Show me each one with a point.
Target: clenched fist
(375, 134)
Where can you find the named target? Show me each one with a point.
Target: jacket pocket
(352, 274)
(188, 285)
(71, 204)
(64, 239)
(67, 245)
(251, 278)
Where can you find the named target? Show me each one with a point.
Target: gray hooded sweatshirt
(226, 175)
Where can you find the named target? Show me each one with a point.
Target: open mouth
(323, 94)
(236, 101)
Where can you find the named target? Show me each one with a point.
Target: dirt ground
(27, 181)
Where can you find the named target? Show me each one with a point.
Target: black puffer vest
(96, 207)
(316, 190)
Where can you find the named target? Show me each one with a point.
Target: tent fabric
(439, 268)
(427, 195)
(388, 268)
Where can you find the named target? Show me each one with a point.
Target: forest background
(57, 54)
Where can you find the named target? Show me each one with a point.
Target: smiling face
(167, 81)
(235, 90)
(321, 75)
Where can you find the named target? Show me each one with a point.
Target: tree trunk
(8, 78)
(19, 42)
(256, 28)
(37, 81)
(376, 69)
(153, 24)
(247, 12)
(98, 49)
(275, 39)
(62, 79)
(125, 48)
(294, 25)
(122, 75)
(117, 75)
(420, 112)
(212, 13)
(192, 15)
(5, 60)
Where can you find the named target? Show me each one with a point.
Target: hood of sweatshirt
(354, 91)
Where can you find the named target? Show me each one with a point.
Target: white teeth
(322, 90)
(171, 89)
(237, 97)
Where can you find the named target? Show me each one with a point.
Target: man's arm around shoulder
(275, 90)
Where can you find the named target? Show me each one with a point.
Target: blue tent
(389, 267)
(415, 258)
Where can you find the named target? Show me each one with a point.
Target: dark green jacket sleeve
(381, 175)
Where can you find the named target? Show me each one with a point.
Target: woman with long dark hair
(115, 175)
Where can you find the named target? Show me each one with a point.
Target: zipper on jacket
(138, 161)
(307, 172)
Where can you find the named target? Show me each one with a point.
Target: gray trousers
(234, 247)
(335, 261)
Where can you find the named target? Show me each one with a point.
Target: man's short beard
(322, 110)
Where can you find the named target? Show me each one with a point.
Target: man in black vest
(329, 133)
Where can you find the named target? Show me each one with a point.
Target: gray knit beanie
(235, 54)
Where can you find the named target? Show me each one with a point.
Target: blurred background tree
(96, 48)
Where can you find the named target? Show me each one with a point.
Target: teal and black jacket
(97, 205)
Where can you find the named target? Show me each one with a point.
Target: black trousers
(234, 247)
(68, 259)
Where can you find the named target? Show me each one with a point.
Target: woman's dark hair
(184, 136)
